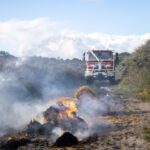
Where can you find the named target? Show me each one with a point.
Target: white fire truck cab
(100, 65)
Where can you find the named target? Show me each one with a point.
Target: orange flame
(70, 107)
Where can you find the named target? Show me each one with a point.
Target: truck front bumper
(100, 74)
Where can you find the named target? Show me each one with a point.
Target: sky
(54, 27)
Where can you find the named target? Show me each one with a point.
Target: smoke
(92, 111)
(15, 115)
(88, 118)
(28, 86)
(43, 37)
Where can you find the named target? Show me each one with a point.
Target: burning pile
(67, 122)
(62, 117)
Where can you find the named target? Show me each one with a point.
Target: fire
(60, 117)
(70, 107)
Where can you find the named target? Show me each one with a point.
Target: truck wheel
(89, 80)
(112, 80)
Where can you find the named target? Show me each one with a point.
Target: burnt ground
(126, 134)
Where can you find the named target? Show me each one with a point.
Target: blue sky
(106, 16)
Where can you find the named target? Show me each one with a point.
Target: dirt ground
(128, 131)
(126, 134)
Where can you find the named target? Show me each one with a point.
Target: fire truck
(100, 65)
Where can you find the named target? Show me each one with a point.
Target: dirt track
(129, 128)
(127, 134)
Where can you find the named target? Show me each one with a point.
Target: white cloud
(42, 37)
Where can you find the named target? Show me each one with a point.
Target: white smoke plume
(92, 111)
(26, 89)
(43, 37)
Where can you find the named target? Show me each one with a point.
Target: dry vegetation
(134, 72)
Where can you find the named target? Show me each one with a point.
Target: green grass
(124, 89)
(131, 90)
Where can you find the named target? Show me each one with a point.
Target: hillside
(135, 73)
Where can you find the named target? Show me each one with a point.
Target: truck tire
(89, 80)
(112, 80)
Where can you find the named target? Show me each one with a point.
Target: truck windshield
(101, 55)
